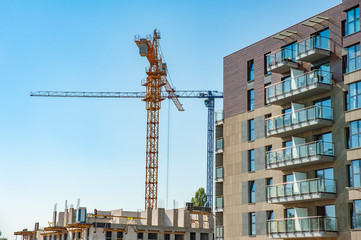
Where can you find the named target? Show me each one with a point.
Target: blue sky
(52, 150)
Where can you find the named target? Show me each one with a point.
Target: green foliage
(2, 238)
(200, 198)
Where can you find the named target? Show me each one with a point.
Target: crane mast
(156, 79)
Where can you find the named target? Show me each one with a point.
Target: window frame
(251, 160)
(250, 70)
(356, 134)
(356, 96)
(352, 178)
(252, 192)
(251, 130)
(354, 22)
(252, 223)
(356, 58)
(250, 100)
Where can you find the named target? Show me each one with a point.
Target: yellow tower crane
(157, 73)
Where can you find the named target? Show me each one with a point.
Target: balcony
(303, 227)
(219, 174)
(302, 191)
(219, 204)
(219, 145)
(300, 87)
(300, 156)
(313, 49)
(282, 61)
(302, 120)
(219, 117)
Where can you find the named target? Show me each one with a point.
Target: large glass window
(355, 172)
(108, 235)
(251, 160)
(353, 58)
(356, 214)
(251, 129)
(354, 96)
(355, 134)
(352, 21)
(252, 192)
(251, 99)
(252, 223)
(250, 70)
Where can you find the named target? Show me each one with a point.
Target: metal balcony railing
(302, 224)
(306, 150)
(297, 117)
(280, 57)
(289, 86)
(303, 187)
(219, 173)
(313, 43)
(219, 144)
(219, 202)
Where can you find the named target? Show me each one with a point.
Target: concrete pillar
(187, 219)
(149, 217)
(161, 216)
(70, 216)
(172, 236)
(54, 218)
(175, 217)
(66, 214)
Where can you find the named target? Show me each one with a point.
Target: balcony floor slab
(301, 162)
(303, 198)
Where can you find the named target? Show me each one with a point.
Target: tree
(2, 238)
(200, 198)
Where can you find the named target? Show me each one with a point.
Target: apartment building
(288, 148)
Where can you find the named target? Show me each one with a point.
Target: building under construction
(190, 223)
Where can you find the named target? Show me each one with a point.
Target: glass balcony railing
(303, 115)
(280, 57)
(307, 150)
(219, 232)
(302, 224)
(219, 173)
(312, 43)
(219, 202)
(303, 187)
(219, 116)
(219, 144)
(293, 86)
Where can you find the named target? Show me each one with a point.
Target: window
(252, 223)
(355, 173)
(65, 236)
(250, 68)
(252, 192)
(140, 235)
(352, 24)
(349, 175)
(355, 134)
(266, 72)
(250, 99)
(119, 235)
(251, 160)
(251, 130)
(355, 212)
(152, 235)
(269, 215)
(269, 181)
(166, 236)
(354, 96)
(79, 235)
(179, 237)
(193, 236)
(265, 93)
(290, 213)
(353, 58)
(108, 235)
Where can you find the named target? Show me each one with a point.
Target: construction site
(282, 151)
